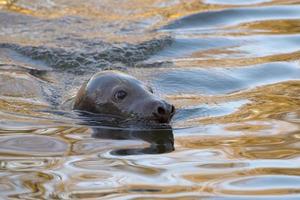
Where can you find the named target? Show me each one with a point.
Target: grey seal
(116, 93)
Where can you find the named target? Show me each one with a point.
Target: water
(230, 67)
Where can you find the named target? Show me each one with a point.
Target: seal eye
(120, 95)
(150, 90)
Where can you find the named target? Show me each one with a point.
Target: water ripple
(230, 67)
(32, 145)
(234, 16)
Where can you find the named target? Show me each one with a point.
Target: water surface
(230, 67)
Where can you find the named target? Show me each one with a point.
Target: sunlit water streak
(230, 67)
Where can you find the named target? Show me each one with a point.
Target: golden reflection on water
(202, 59)
(249, 152)
(271, 27)
(273, 101)
(110, 10)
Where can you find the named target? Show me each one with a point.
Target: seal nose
(163, 111)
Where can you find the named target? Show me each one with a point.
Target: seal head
(116, 93)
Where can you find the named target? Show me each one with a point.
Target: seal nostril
(172, 109)
(161, 110)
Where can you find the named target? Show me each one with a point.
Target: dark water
(230, 67)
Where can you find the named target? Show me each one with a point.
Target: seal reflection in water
(117, 94)
(160, 140)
